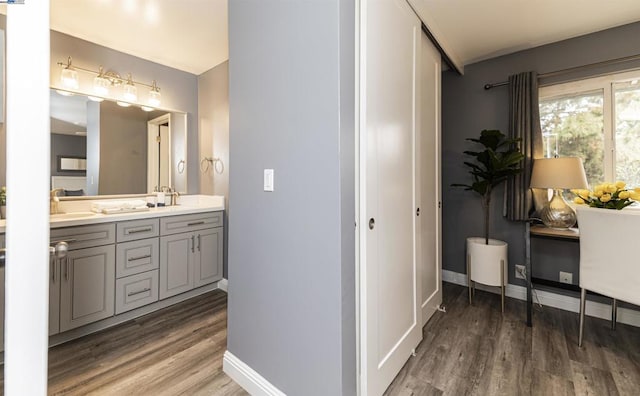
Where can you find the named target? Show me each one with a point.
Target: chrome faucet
(54, 201)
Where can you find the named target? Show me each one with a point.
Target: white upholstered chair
(609, 256)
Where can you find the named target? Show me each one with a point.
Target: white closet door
(390, 291)
(429, 225)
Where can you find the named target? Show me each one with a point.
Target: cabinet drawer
(186, 223)
(85, 236)
(136, 290)
(137, 229)
(137, 256)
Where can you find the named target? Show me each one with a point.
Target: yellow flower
(634, 195)
(637, 189)
(624, 194)
(605, 198)
(578, 200)
(584, 193)
(621, 184)
(611, 188)
(598, 193)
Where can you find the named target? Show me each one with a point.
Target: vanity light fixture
(130, 91)
(69, 75)
(122, 104)
(104, 81)
(154, 95)
(147, 108)
(101, 83)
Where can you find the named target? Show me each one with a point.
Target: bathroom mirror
(127, 150)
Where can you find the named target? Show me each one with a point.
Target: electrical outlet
(566, 277)
(521, 272)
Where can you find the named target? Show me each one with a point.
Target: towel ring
(207, 162)
(181, 165)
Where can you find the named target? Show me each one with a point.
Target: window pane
(627, 132)
(573, 126)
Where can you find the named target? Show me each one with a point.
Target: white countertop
(187, 204)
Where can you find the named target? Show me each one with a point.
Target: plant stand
(487, 264)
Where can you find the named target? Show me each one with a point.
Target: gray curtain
(524, 123)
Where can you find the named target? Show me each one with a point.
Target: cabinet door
(176, 264)
(54, 295)
(208, 256)
(88, 282)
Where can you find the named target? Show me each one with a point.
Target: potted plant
(498, 160)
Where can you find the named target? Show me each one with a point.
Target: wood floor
(471, 350)
(475, 350)
(174, 351)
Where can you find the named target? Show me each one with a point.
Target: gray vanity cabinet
(81, 285)
(208, 260)
(137, 264)
(87, 292)
(190, 252)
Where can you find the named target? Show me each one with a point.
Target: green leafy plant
(499, 160)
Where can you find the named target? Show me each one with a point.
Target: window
(598, 120)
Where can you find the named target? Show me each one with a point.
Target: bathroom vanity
(121, 266)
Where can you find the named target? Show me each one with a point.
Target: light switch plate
(268, 180)
(566, 277)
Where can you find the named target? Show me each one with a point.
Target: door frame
(27, 225)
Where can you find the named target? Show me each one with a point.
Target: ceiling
(191, 35)
(474, 30)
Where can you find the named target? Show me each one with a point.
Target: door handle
(198, 242)
(52, 268)
(372, 223)
(193, 244)
(418, 212)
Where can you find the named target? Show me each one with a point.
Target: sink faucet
(54, 201)
(172, 193)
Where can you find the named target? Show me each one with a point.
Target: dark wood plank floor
(475, 350)
(177, 350)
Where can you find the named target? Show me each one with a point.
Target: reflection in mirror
(127, 150)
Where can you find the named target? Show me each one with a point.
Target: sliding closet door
(390, 289)
(429, 195)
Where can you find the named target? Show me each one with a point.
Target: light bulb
(123, 104)
(95, 98)
(147, 108)
(69, 78)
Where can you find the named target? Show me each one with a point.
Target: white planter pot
(486, 261)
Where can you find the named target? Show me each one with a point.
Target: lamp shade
(562, 172)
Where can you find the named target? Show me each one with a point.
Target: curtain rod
(574, 69)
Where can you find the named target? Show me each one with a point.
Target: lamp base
(558, 214)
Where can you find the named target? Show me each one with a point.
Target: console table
(540, 231)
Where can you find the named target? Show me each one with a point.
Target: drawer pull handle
(140, 230)
(139, 258)
(138, 292)
(70, 240)
(193, 243)
(195, 223)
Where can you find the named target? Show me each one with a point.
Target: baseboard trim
(560, 301)
(223, 284)
(247, 377)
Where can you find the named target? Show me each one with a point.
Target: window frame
(604, 83)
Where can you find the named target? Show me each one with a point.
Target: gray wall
(213, 124)
(123, 150)
(468, 108)
(179, 89)
(67, 146)
(291, 251)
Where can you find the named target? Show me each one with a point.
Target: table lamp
(558, 173)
